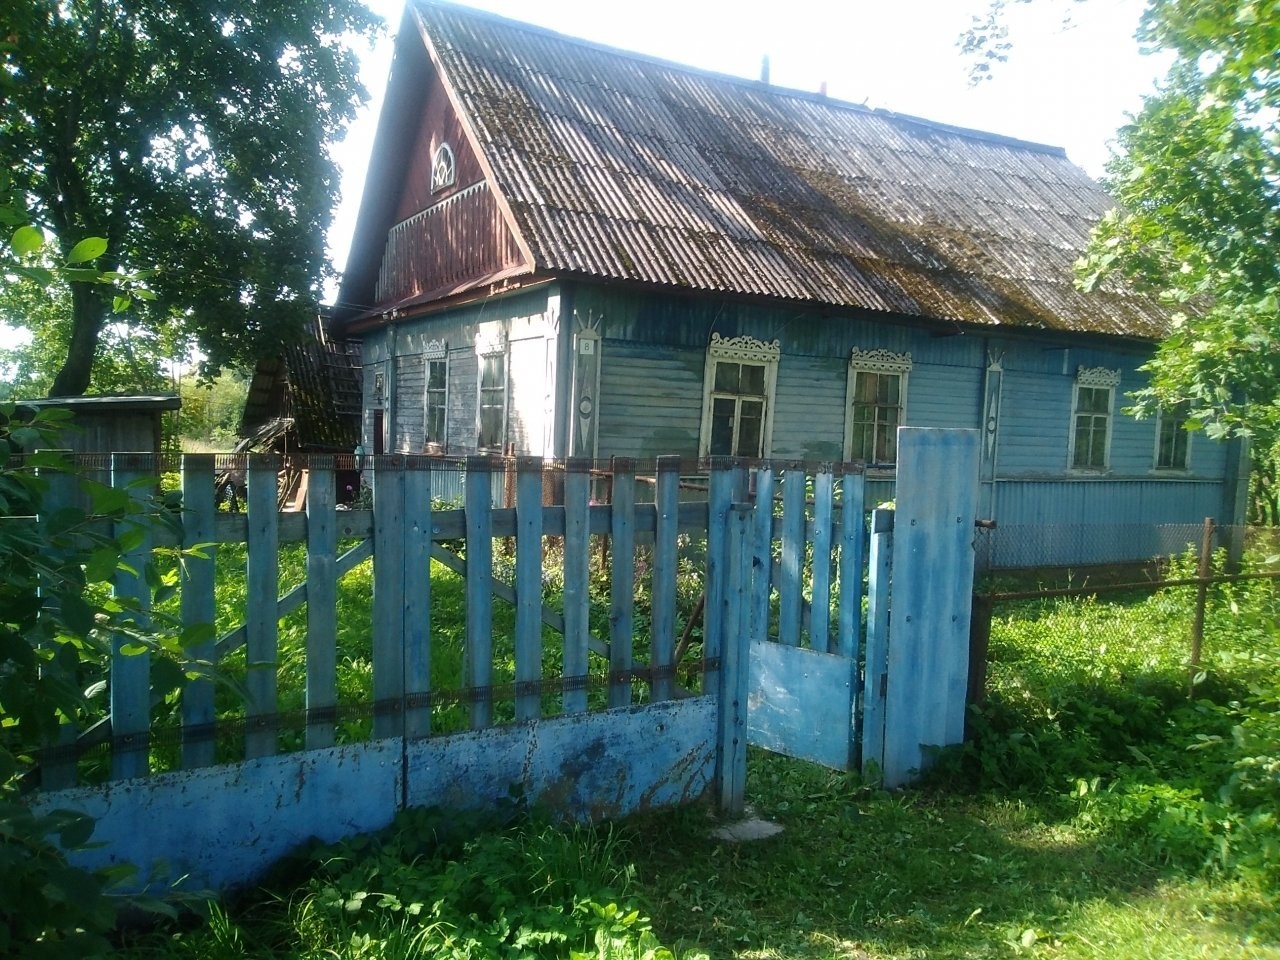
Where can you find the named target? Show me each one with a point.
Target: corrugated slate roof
(619, 166)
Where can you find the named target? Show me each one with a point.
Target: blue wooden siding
(650, 399)
(1035, 412)
(941, 395)
(808, 416)
(653, 356)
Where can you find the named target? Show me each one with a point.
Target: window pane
(722, 412)
(435, 423)
(752, 380)
(490, 427)
(865, 387)
(436, 374)
(492, 372)
(750, 428)
(1094, 400)
(727, 376)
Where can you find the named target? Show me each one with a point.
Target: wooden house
(566, 249)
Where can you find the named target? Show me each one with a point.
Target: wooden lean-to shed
(566, 249)
(306, 400)
(113, 424)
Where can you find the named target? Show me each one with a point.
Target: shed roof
(618, 166)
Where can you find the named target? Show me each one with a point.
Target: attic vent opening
(444, 171)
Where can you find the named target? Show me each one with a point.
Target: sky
(1066, 86)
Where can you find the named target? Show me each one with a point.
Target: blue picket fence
(556, 686)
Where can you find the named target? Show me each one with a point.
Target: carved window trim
(1093, 400)
(435, 400)
(881, 418)
(742, 351)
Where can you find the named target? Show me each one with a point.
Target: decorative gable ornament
(744, 348)
(1097, 377)
(880, 361)
(444, 169)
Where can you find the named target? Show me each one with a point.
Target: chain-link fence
(1044, 633)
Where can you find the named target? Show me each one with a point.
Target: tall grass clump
(1094, 706)
(440, 885)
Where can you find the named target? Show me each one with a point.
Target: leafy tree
(1197, 178)
(190, 135)
(1198, 182)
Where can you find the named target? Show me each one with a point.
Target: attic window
(444, 171)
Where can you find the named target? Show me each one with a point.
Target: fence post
(979, 642)
(196, 579)
(1203, 572)
(131, 672)
(735, 661)
(937, 507)
(479, 646)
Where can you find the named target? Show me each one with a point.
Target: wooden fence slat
(852, 526)
(820, 605)
(388, 596)
(528, 586)
(622, 581)
(577, 561)
(790, 584)
(762, 546)
(665, 560)
(58, 769)
(196, 583)
(261, 614)
(876, 679)
(131, 672)
(479, 646)
(322, 603)
(417, 597)
(719, 500)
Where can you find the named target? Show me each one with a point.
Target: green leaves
(88, 249)
(27, 241)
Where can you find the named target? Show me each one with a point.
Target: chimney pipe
(764, 69)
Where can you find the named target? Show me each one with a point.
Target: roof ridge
(758, 85)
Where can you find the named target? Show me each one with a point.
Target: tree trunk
(88, 317)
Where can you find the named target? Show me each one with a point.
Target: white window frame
(875, 362)
(1093, 378)
(1162, 418)
(491, 341)
(435, 351)
(741, 350)
(444, 168)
